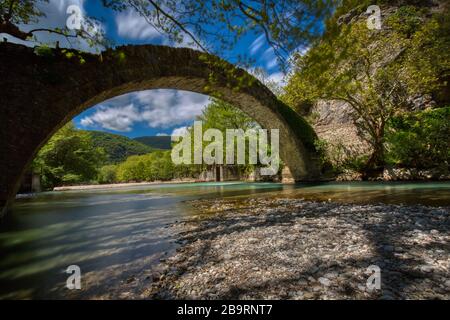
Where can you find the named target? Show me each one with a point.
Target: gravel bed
(296, 249)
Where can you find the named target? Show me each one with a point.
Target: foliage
(68, 157)
(285, 26)
(20, 12)
(375, 71)
(117, 147)
(156, 142)
(14, 14)
(157, 165)
(107, 174)
(208, 25)
(420, 139)
(222, 116)
(336, 157)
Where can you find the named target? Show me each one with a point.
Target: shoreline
(121, 185)
(132, 184)
(297, 249)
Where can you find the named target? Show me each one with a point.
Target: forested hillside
(156, 142)
(118, 148)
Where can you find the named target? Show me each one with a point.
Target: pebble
(324, 281)
(426, 268)
(275, 248)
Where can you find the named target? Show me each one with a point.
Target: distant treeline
(74, 156)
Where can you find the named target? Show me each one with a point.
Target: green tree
(14, 14)
(420, 139)
(222, 116)
(157, 165)
(117, 147)
(375, 71)
(285, 25)
(68, 157)
(107, 174)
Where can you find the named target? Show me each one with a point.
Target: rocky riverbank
(294, 249)
(121, 185)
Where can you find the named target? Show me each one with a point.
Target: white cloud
(117, 118)
(156, 108)
(257, 44)
(56, 17)
(269, 58)
(303, 50)
(61, 5)
(161, 134)
(132, 25)
(171, 107)
(179, 132)
(277, 77)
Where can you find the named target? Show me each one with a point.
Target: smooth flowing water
(118, 236)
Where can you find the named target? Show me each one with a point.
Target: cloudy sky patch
(162, 110)
(147, 112)
(132, 25)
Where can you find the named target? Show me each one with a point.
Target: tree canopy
(69, 157)
(212, 26)
(375, 71)
(116, 147)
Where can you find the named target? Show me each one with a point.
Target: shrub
(419, 139)
(107, 174)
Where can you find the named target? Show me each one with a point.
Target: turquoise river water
(117, 236)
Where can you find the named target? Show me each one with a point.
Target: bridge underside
(39, 93)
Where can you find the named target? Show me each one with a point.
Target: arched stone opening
(39, 93)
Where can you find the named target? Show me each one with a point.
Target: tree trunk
(13, 30)
(376, 159)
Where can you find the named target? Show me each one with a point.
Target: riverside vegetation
(291, 248)
(379, 74)
(74, 156)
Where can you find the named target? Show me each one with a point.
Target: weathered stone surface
(394, 174)
(40, 93)
(333, 123)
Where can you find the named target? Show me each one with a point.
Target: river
(118, 236)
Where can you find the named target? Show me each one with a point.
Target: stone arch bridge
(41, 90)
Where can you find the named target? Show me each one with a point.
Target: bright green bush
(419, 139)
(69, 157)
(157, 165)
(107, 174)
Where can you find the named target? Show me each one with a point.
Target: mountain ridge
(117, 147)
(156, 142)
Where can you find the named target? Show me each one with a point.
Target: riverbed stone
(321, 249)
(325, 281)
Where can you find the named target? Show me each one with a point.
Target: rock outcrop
(333, 120)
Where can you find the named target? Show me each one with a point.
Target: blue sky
(155, 112)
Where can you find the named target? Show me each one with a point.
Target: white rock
(325, 281)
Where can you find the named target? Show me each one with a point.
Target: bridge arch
(40, 92)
